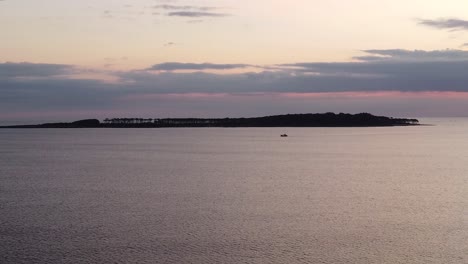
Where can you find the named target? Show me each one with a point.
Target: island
(289, 120)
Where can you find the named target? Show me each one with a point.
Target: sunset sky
(65, 60)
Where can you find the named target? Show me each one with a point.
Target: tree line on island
(289, 120)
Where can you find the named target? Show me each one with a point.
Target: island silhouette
(289, 120)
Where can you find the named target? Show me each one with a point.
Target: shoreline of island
(288, 120)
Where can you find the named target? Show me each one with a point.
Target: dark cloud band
(26, 69)
(452, 24)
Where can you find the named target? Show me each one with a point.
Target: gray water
(322, 195)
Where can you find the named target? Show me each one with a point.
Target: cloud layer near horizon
(53, 87)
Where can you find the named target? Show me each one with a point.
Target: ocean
(235, 195)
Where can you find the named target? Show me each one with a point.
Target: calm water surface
(322, 195)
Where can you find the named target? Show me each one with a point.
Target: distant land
(289, 120)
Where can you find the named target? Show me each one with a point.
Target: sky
(66, 60)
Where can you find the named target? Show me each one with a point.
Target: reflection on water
(321, 195)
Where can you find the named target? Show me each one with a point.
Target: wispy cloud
(413, 55)
(195, 21)
(169, 44)
(444, 23)
(196, 14)
(107, 14)
(174, 66)
(190, 11)
(184, 7)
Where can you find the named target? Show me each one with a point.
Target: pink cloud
(378, 94)
(319, 95)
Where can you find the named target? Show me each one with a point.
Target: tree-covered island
(289, 120)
